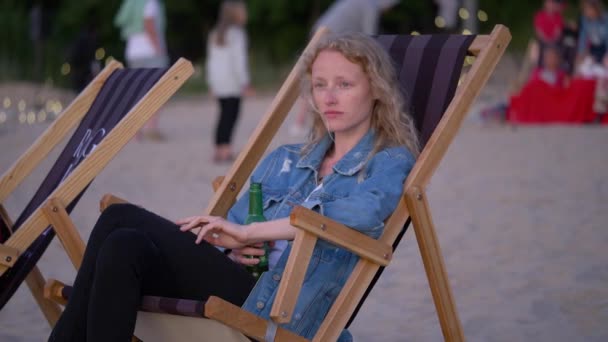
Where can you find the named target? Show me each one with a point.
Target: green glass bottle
(256, 214)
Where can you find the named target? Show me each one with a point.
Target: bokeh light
(3, 117)
(22, 117)
(31, 117)
(469, 60)
(466, 32)
(100, 54)
(6, 102)
(41, 116)
(21, 105)
(439, 22)
(65, 68)
(415, 33)
(463, 13)
(482, 15)
(109, 60)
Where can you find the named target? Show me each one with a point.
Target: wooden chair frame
(488, 50)
(53, 211)
(374, 254)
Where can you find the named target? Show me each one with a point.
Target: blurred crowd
(564, 77)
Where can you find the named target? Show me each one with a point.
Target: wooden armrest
(244, 321)
(217, 182)
(109, 199)
(313, 226)
(8, 255)
(341, 235)
(53, 290)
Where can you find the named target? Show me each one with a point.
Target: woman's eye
(318, 85)
(344, 84)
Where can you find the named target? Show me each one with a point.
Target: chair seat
(152, 326)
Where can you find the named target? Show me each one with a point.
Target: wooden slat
(347, 301)
(105, 151)
(293, 277)
(244, 321)
(109, 199)
(446, 130)
(5, 217)
(341, 235)
(260, 139)
(53, 291)
(434, 265)
(66, 231)
(8, 255)
(54, 134)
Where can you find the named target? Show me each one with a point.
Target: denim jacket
(360, 193)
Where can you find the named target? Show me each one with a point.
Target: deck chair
(110, 110)
(429, 68)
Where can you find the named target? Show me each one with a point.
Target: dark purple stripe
(411, 68)
(446, 68)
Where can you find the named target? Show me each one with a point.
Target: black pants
(132, 252)
(229, 113)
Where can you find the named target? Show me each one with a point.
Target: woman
(352, 170)
(227, 72)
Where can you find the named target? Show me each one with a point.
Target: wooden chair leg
(434, 265)
(35, 281)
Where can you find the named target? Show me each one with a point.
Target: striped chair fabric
(119, 94)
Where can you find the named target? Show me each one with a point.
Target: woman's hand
(250, 255)
(216, 231)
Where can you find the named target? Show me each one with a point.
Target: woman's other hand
(216, 231)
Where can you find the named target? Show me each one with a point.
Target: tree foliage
(278, 30)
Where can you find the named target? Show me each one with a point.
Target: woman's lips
(332, 113)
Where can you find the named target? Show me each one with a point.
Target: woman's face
(342, 93)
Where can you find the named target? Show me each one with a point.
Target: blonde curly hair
(391, 124)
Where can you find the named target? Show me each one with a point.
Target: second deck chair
(429, 68)
(110, 111)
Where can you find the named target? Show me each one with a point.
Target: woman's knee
(125, 248)
(120, 210)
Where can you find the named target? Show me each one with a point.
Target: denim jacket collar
(350, 164)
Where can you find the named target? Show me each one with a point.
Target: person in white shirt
(142, 24)
(227, 72)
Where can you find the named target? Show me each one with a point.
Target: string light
(41, 116)
(100, 54)
(482, 16)
(439, 22)
(31, 117)
(65, 69)
(463, 13)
